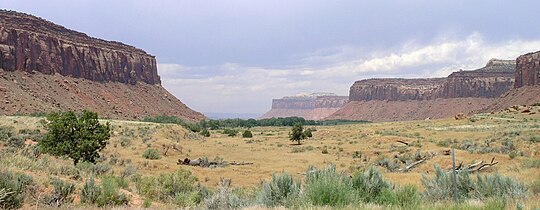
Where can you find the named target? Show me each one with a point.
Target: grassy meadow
(142, 156)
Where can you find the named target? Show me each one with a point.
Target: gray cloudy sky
(236, 55)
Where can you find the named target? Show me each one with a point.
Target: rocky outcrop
(45, 67)
(314, 106)
(394, 89)
(528, 70)
(491, 81)
(412, 99)
(29, 43)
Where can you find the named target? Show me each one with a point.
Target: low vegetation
(354, 166)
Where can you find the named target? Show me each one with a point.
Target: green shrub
(369, 184)
(406, 197)
(224, 198)
(328, 187)
(169, 187)
(324, 150)
(147, 203)
(205, 132)
(230, 132)
(109, 195)
(16, 185)
(535, 186)
(385, 162)
(513, 154)
(101, 168)
(90, 192)
(532, 163)
(497, 185)
(79, 138)
(279, 191)
(308, 133)
(61, 194)
(125, 141)
(6, 132)
(440, 187)
(357, 154)
(151, 154)
(247, 134)
(16, 141)
(128, 171)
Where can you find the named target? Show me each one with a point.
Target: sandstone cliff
(491, 81)
(29, 43)
(315, 106)
(528, 70)
(412, 99)
(121, 81)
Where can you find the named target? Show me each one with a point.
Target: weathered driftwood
(412, 165)
(478, 166)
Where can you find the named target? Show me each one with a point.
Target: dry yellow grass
(270, 150)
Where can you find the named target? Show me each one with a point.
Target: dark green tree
(297, 133)
(247, 134)
(79, 138)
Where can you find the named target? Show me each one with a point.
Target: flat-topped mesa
(528, 70)
(394, 89)
(29, 43)
(313, 106)
(312, 101)
(491, 81)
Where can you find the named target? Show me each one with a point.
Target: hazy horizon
(236, 56)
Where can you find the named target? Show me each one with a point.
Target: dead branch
(412, 165)
(403, 142)
(474, 165)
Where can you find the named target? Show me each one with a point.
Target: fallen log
(412, 165)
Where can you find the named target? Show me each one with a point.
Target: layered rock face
(314, 106)
(394, 89)
(46, 67)
(29, 43)
(528, 70)
(412, 99)
(491, 81)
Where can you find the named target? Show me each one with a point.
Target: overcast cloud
(235, 56)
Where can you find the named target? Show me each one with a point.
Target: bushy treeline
(242, 123)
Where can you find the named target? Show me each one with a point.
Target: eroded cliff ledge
(528, 70)
(314, 106)
(29, 43)
(491, 81)
(45, 67)
(414, 99)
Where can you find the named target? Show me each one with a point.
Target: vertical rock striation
(45, 67)
(528, 70)
(29, 43)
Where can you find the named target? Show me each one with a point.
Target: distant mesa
(314, 106)
(468, 92)
(45, 67)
